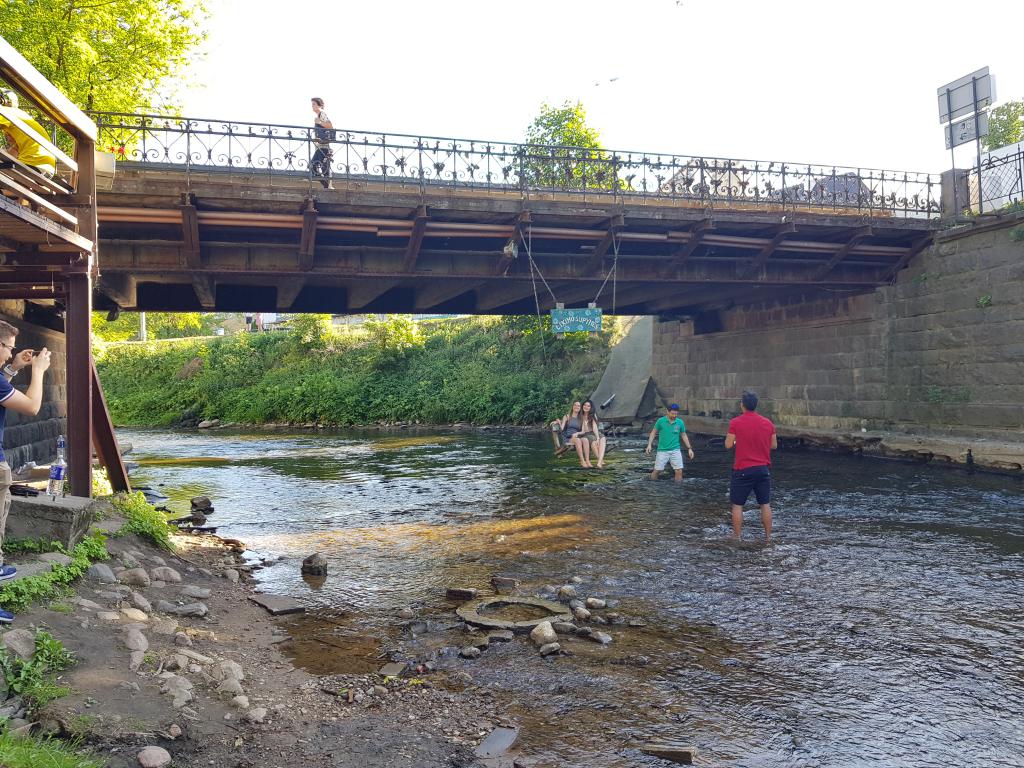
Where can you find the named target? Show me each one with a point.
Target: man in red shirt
(753, 436)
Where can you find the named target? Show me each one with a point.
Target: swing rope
(612, 273)
(536, 296)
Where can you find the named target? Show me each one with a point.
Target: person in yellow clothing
(21, 144)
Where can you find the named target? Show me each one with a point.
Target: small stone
(174, 731)
(380, 690)
(601, 637)
(584, 631)
(564, 628)
(128, 560)
(158, 584)
(195, 656)
(106, 594)
(406, 613)
(208, 424)
(230, 686)
(549, 648)
(140, 602)
(599, 620)
(504, 583)
(163, 573)
(256, 715)
(180, 638)
(154, 757)
(470, 652)
(20, 642)
(56, 557)
(176, 662)
(594, 603)
(134, 640)
(165, 627)
(134, 614)
(576, 580)
(108, 616)
(568, 592)
(88, 605)
(200, 593)
(136, 577)
(501, 636)
(460, 593)
(206, 572)
(231, 575)
(393, 669)
(543, 634)
(164, 606)
(136, 660)
(581, 614)
(315, 565)
(637, 623)
(229, 669)
(101, 573)
(157, 560)
(241, 702)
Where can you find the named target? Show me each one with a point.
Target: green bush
(482, 370)
(26, 752)
(35, 679)
(143, 520)
(21, 593)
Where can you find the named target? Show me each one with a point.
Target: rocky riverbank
(175, 665)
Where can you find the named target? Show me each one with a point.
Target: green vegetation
(31, 546)
(25, 752)
(159, 325)
(143, 520)
(1005, 125)
(481, 370)
(35, 679)
(18, 595)
(984, 302)
(112, 56)
(561, 134)
(947, 395)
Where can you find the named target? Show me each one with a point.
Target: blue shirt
(6, 390)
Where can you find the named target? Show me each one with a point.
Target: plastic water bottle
(58, 469)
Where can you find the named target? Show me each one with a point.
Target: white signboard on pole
(963, 131)
(960, 99)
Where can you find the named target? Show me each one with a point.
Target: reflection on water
(882, 627)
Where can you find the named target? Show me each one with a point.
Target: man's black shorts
(756, 479)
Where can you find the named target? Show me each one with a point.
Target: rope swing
(612, 273)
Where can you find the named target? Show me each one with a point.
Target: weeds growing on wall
(20, 594)
(481, 370)
(143, 520)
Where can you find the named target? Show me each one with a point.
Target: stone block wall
(941, 350)
(35, 438)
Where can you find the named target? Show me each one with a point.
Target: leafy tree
(159, 325)
(107, 55)
(1005, 125)
(565, 152)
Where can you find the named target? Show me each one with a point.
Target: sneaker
(7, 572)
(6, 617)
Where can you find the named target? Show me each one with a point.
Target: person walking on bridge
(323, 134)
(753, 437)
(26, 403)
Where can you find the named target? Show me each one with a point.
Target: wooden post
(79, 387)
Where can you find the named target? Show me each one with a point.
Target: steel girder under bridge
(206, 216)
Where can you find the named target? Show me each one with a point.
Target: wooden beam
(103, 437)
(440, 291)
(419, 227)
(307, 240)
(915, 249)
(615, 225)
(697, 232)
(781, 233)
(190, 232)
(855, 237)
(288, 290)
(522, 221)
(79, 384)
(206, 291)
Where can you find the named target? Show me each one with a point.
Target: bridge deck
(176, 240)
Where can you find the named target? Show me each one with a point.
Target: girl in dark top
(589, 436)
(570, 425)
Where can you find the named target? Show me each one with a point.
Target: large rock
(567, 592)
(201, 503)
(163, 573)
(134, 614)
(544, 634)
(154, 757)
(101, 573)
(228, 668)
(256, 715)
(134, 640)
(20, 642)
(136, 577)
(315, 565)
(200, 593)
(140, 602)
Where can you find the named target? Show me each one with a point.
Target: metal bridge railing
(211, 145)
(1002, 180)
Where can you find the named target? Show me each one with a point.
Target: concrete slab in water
(277, 605)
(470, 613)
(497, 742)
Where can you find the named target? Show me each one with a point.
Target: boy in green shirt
(670, 430)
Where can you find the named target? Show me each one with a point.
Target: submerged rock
(460, 593)
(315, 565)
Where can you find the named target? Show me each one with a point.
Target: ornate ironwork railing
(211, 145)
(1002, 180)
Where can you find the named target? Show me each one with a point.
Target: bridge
(219, 215)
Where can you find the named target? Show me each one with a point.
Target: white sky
(850, 83)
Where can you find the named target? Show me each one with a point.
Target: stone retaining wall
(940, 351)
(35, 438)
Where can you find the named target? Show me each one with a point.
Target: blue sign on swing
(570, 320)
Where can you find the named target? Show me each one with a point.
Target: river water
(882, 627)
